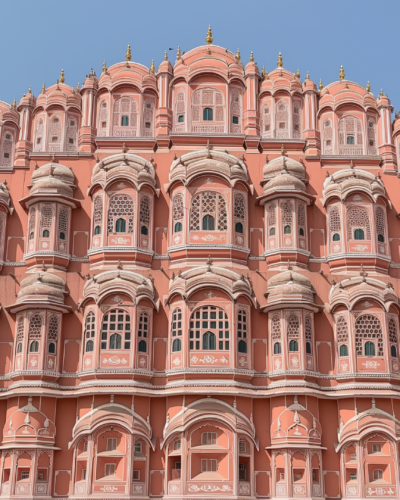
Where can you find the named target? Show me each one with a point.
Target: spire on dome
(209, 37)
(152, 67)
(381, 93)
(178, 53)
(128, 55)
(14, 104)
(104, 66)
(165, 56)
(280, 60)
(321, 85)
(264, 73)
(297, 74)
(62, 79)
(78, 87)
(43, 88)
(341, 73)
(368, 87)
(30, 90)
(237, 55)
(307, 77)
(251, 56)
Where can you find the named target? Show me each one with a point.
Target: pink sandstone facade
(200, 281)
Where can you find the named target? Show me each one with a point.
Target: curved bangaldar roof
(343, 183)
(128, 73)
(58, 95)
(345, 92)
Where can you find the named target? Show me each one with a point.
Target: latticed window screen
(242, 324)
(282, 120)
(358, 218)
(32, 221)
(236, 111)
(276, 328)
(342, 330)
(392, 331)
(208, 203)
(125, 107)
(308, 328)
(210, 98)
(35, 327)
(178, 210)
(328, 137)
(39, 135)
(380, 223)
(54, 134)
(293, 327)
(145, 210)
(296, 120)
(46, 218)
(266, 117)
(103, 119)
(368, 328)
(301, 217)
(148, 118)
(52, 331)
(143, 326)
(7, 149)
(271, 218)
(98, 211)
(176, 327)
(239, 209)
(209, 329)
(20, 328)
(90, 326)
(63, 221)
(287, 213)
(121, 206)
(372, 137)
(334, 220)
(72, 134)
(350, 126)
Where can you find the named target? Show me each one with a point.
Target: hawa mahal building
(200, 271)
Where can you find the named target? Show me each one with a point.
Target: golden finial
(165, 56)
(43, 88)
(128, 55)
(14, 104)
(237, 55)
(152, 67)
(341, 73)
(62, 79)
(381, 93)
(77, 87)
(321, 86)
(307, 77)
(178, 53)
(251, 57)
(29, 90)
(280, 61)
(209, 37)
(264, 73)
(368, 87)
(104, 67)
(297, 74)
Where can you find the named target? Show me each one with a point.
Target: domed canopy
(42, 290)
(52, 181)
(124, 166)
(343, 183)
(289, 289)
(275, 166)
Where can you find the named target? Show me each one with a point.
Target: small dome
(44, 278)
(43, 286)
(290, 287)
(276, 165)
(289, 276)
(55, 178)
(285, 182)
(56, 170)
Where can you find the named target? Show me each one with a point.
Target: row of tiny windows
(293, 347)
(208, 224)
(120, 227)
(208, 116)
(369, 350)
(359, 234)
(34, 347)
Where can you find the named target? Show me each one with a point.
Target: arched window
(52, 348)
(209, 341)
(148, 118)
(293, 332)
(344, 351)
(271, 219)
(242, 346)
(206, 325)
(369, 349)
(34, 347)
(176, 345)
(308, 333)
(180, 111)
(236, 112)
(209, 204)
(115, 321)
(72, 135)
(336, 237)
(296, 120)
(287, 216)
(293, 346)
(46, 220)
(90, 330)
(144, 215)
(350, 136)
(120, 214)
(208, 114)
(54, 134)
(266, 121)
(358, 223)
(393, 351)
(281, 120)
(328, 137)
(19, 347)
(342, 333)
(301, 219)
(308, 347)
(142, 346)
(143, 325)
(380, 224)
(125, 117)
(178, 212)
(98, 214)
(239, 213)
(277, 348)
(272, 231)
(32, 222)
(103, 119)
(368, 329)
(392, 327)
(89, 346)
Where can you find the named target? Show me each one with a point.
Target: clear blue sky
(38, 39)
